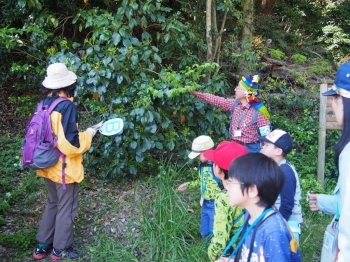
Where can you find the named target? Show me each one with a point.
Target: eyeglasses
(230, 182)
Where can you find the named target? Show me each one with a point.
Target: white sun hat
(58, 76)
(199, 145)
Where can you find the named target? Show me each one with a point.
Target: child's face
(268, 149)
(218, 172)
(202, 158)
(234, 192)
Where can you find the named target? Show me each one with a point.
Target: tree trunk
(248, 17)
(208, 31)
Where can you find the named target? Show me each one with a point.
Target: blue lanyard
(336, 218)
(204, 184)
(235, 236)
(239, 217)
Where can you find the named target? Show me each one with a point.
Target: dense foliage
(137, 59)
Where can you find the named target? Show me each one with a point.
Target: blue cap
(341, 82)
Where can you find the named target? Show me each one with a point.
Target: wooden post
(322, 134)
(328, 121)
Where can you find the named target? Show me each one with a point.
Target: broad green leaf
(106, 60)
(139, 158)
(157, 58)
(89, 50)
(126, 42)
(119, 79)
(171, 145)
(116, 38)
(101, 89)
(133, 145)
(159, 145)
(166, 38)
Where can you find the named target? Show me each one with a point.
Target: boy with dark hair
(227, 219)
(254, 183)
(277, 145)
(206, 181)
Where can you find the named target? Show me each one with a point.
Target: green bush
(298, 58)
(22, 240)
(276, 53)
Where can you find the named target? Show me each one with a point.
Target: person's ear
(253, 191)
(218, 172)
(279, 151)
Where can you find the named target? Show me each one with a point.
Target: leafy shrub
(10, 157)
(23, 240)
(277, 54)
(319, 66)
(24, 105)
(298, 58)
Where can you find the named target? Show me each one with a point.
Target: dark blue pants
(207, 218)
(253, 147)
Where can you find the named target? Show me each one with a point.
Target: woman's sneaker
(71, 253)
(41, 252)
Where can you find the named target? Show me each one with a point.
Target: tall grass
(168, 231)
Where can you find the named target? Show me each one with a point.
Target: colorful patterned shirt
(273, 242)
(224, 227)
(206, 182)
(241, 117)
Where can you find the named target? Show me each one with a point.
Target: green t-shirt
(223, 228)
(206, 182)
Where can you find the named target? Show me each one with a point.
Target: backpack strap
(255, 120)
(253, 237)
(239, 217)
(217, 180)
(63, 156)
(64, 164)
(55, 103)
(234, 105)
(39, 106)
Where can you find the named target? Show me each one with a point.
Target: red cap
(225, 153)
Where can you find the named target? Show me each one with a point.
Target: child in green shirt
(207, 182)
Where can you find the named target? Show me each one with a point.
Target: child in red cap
(227, 218)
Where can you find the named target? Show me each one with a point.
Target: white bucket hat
(199, 145)
(58, 76)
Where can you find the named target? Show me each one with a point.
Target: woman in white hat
(55, 233)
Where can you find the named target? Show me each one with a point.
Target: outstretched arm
(217, 101)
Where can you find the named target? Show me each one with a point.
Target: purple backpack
(39, 149)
